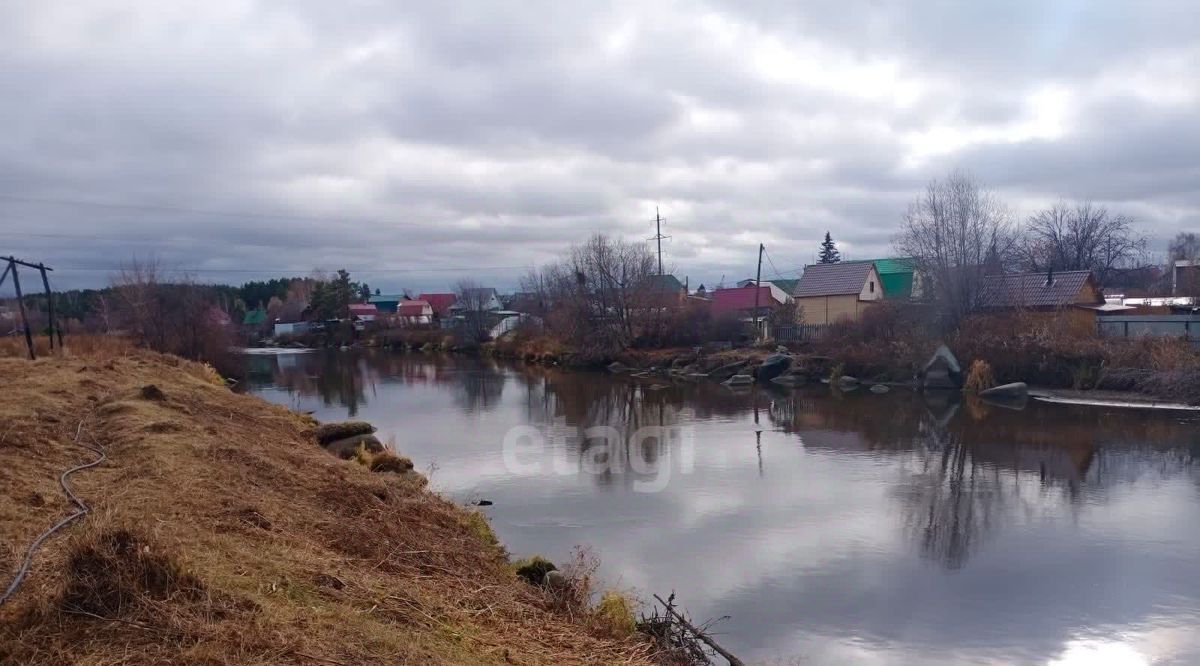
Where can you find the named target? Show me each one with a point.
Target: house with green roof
(255, 318)
(897, 277)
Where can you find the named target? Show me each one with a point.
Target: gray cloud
(406, 143)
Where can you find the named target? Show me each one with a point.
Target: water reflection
(899, 528)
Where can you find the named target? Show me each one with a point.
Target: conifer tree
(829, 252)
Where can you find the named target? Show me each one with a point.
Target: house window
(872, 286)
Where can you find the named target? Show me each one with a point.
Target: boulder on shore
(728, 370)
(345, 448)
(739, 380)
(773, 366)
(331, 432)
(1013, 391)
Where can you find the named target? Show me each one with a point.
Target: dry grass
(979, 377)
(222, 534)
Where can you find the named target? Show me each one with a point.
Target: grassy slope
(222, 534)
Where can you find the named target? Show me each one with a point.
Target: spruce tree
(829, 252)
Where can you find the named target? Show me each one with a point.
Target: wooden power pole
(52, 325)
(758, 289)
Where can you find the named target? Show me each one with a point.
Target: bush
(533, 570)
(979, 377)
(389, 462)
(614, 614)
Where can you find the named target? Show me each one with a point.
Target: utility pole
(12, 265)
(53, 323)
(658, 236)
(757, 288)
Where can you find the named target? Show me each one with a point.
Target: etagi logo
(647, 453)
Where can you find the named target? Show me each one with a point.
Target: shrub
(979, 377)
(534, 569)
(389, 462)
(614, 614)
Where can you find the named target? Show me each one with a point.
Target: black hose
(80, 511)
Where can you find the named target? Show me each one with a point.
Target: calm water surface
(834, 529)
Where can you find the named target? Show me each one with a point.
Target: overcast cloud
(414, 143)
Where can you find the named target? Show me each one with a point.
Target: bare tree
(956, 232)
(1081, 236)
(598, 295)
(473, 302)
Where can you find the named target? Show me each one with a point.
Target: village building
(1073, 295)
(414, 312)
(662, 291)
(739, 302)
(485, 299)
(439, 302)
(897, 275)
(1185, 278)
(365, 312)
(829, 293)
(387, 302)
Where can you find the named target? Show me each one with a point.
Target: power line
(357, 269)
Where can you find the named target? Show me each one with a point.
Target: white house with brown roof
(829, 293)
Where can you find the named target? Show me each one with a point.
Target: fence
(1180, 326)
(798, 333)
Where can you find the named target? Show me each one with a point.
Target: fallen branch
(733, 661)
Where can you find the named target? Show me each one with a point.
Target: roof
(833, 279)
(363, 308)
(663, 283)
(386, 298)
(788, 285)
(895, 274)
(255, 318)
(742, 298)
(1030, 290)
(439, 302)
(415, 308)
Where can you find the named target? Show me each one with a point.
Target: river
(830, 528)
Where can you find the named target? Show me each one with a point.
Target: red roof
(439, 302)
(363, 309)
(415, 308)
(741, 298)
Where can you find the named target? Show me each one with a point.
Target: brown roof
(1031, 290)
(832, 279)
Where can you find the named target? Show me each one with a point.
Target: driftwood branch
(733, 661)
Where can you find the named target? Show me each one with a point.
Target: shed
(828, 293)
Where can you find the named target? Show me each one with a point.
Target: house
(477, 298)
(364, 311)
(1185, 278)
(292, 328)
(829, 293)
(701, 292)
(414, 312)
(740, 301)
(439, 302)
(255, 318)
(387, 302)
(897, 275)
(1075, 294)
(663, 291)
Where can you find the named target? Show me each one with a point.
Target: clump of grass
(533, 570)
(388, 462)
(362, 456)
(112, 573)
(479, 526)
(979, 377)
(614, 614)
(332, 432)
(836, 372)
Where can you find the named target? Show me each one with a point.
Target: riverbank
(221, 533)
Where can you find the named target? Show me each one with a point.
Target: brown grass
(979, 377)
(222, 534)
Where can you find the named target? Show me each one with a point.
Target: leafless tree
(473, 303)
(598, 296)
(1081, 236)
(957, 233)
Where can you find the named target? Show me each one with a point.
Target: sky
(419, 143)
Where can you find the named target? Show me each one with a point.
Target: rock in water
(617, 366)
(846, 382)
(739, 380)
(728, 370)
(788, 380)
(879, 388)
(775, 365)
(1016, 391)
